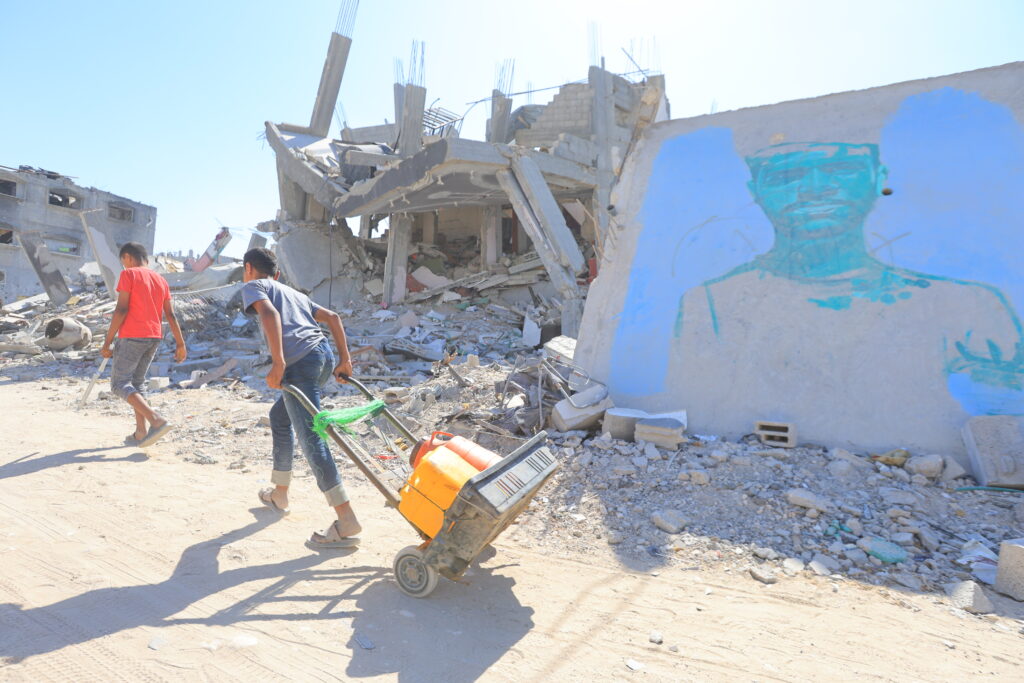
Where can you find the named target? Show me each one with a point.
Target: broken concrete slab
(593, 403)
(46, 270)
(561, 348)
(1010, 569)
(429, 279)
(995, 448)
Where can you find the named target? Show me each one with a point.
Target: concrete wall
(758, 270)
(61, 227)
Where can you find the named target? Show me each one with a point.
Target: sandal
(332, 539)
(265, 496)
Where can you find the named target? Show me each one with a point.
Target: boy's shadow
(101, 612)
(29, 464)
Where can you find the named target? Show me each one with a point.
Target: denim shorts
(132, 357)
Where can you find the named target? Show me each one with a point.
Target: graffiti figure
(818, 289)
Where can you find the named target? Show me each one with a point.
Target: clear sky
(164, 102)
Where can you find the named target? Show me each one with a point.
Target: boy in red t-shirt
(143, 298)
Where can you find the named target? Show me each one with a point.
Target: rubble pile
(772, 510)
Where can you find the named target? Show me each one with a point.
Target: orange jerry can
(432, 487)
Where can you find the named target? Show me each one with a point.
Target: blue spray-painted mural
(805, 225)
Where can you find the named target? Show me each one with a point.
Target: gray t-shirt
(300, 331)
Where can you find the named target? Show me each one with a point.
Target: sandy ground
(120, 564)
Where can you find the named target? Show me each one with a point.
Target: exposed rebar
(346, 17)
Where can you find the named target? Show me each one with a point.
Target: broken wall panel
(859, 316)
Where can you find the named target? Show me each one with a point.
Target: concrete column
(365, 226)
(430, 227)
(602, 123)
(501, 112)
(396, 263)
(410, 137)
(330, 84)
(490, 236)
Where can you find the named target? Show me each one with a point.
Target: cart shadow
(473, 623)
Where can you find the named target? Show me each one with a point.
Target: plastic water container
(432, 486)
(473, 453)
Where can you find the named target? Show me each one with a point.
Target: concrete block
(1010, 570)
(665, 432)
(595, 401)
(781, 434)
(969, 596)
(158, 383)
(620, 423)
(995, 447)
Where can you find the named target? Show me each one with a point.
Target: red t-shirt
(147, 294)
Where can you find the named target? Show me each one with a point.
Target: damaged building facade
(43, 221)
(849, 264)
(526, 206)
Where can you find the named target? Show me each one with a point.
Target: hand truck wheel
(415, 577)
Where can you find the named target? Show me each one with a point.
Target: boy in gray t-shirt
(301, 357)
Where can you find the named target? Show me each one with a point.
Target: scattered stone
(907, 580)
(763, 575)
(656, 638)
(902, 538)
(970, 597)
(806, 499)
(926, 465)
(673, 648)
(699, 477)
(615, 537)
(828, 562)
(862, 464)
(856, 556)
(765, 553)
(952, 469)
(669, 521)
(792, 566)
(634, 665)
(840, 469)
(893, 496)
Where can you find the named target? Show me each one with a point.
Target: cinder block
(1010, 570)
(995, 447)
(567, 417)
(782, 434)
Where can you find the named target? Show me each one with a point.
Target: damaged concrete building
(532, 196)
(44, 217)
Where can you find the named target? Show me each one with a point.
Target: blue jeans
(307, 374)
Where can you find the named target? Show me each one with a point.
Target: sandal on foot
(331, 539)
(155, 434)
(266, 497)
(130, 440)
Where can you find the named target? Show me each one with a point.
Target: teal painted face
(816, 190)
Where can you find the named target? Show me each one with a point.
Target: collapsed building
(531, 198)
(48, 227)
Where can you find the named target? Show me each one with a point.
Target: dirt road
(119, 564)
